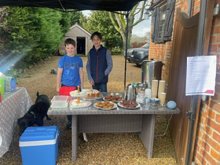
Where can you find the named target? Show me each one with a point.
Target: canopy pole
(126, 50)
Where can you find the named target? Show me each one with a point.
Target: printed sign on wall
(201, 75)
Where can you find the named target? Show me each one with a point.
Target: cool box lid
(34, 136)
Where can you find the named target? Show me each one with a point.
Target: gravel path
(102, 149)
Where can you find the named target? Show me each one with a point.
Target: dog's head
(41, 106)
(42, 98)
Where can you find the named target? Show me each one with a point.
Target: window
(162, 16)
(163, 22)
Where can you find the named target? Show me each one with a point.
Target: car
(131, 50)
(139, 55)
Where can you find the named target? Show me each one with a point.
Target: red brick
(208, 131)
(217, 118)
(215, 155)
(201, 141)
(204, 146)
(211, 114)
(212, 143)
(204, 119)
(199, 158)
(215, 105)
(216, 136)
(205, 113)
(209, 158)
(214, 125)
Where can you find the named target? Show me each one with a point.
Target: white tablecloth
(14, 106)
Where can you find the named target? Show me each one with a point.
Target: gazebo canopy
(108, 5)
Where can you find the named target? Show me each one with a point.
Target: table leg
(74, 137)
(147, 133)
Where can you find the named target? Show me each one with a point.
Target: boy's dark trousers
(102, 87)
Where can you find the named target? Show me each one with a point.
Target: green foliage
(36, 32)
(116, 51)
(100, 21)
(68, 19)
(83, 21)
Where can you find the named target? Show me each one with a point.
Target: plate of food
(113, 98)
(105, 105)
(77, 103)
(129, 104)
(93, 94)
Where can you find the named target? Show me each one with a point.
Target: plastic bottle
(148, 93)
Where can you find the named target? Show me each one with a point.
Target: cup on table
(140, 98)
(161, 87)
(154, 88)
(154, 102)
(162, 97)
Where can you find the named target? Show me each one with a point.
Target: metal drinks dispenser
(151, 70)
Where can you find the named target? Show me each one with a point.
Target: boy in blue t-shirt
(70, 72)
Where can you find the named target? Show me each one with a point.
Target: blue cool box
(39, 145)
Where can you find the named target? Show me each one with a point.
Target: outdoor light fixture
(216, 9)
(163, 16)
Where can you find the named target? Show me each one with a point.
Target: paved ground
(102, 149)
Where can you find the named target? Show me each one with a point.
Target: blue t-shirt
(70, 66)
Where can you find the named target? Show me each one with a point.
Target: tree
(119, 20)
(35, 32)
(100, 21)
(69, 18)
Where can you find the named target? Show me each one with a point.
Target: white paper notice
(200, 76)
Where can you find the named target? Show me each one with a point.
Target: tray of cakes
(129, 104)
(77, 103)
(78, 93)
(105, 105)
(93, 94)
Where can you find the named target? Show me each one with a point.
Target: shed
(82, 38)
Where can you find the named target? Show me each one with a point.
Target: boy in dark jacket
(99, 64)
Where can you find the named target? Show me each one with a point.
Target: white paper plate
(83, 104)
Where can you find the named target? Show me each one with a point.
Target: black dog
(36, 113)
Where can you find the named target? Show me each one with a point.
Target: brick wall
(207, 147)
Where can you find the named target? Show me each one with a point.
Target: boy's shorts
(65, 90)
